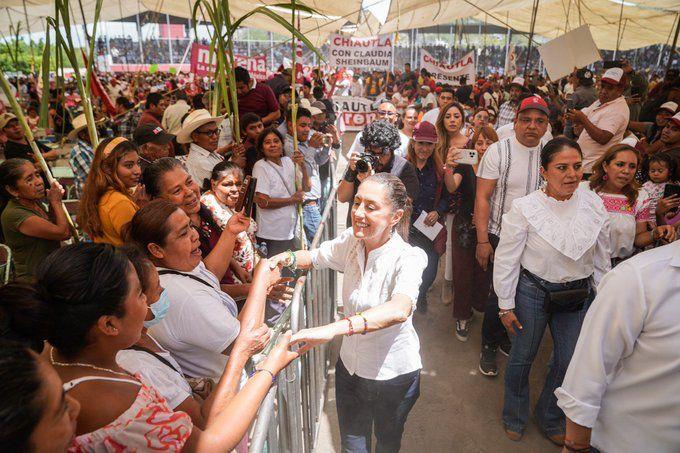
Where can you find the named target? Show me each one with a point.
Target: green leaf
(45, 99)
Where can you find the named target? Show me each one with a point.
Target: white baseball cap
(518, 81)
(676, 119)
(670, 106)
(613, 76)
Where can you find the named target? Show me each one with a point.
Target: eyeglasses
(210, 132)
(384, 113)
(377, 151)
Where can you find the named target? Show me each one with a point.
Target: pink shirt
(612, 117)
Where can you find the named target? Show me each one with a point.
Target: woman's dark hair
(381, 134)
(11, 172)
(263, 135)
(555, 146)
(141, 262)
(669, 160)
(24, 318)
(150, 224)
(398, 197)
(154, 172)
(21, 408)
(197, 101)
(75, 285)
(225, 168)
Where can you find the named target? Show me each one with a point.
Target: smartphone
(243, 191)
(250, 198)
(468, 156)
(670, 190)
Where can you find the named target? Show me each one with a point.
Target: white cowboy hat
(193, 121)
(79, 123)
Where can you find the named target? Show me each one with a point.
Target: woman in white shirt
(613, 180)
(378, 374)
(276, 195)
(553, 251)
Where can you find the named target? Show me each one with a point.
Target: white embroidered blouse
(558, 241)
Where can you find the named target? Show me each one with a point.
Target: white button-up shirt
(200, 163)
(394, 268)
(612, 117)
(624, 376)
(558, 241)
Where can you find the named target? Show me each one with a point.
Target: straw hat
(79, 123)
(193, 121)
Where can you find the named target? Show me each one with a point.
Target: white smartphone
(468, 156)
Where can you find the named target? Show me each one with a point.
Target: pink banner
(202, 66)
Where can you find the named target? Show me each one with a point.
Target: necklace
(86, 365)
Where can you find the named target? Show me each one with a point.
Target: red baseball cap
(534, 102)
(425, 132)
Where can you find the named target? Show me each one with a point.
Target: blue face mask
(159, 309)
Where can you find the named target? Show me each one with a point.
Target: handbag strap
(159, 357)
(193, 277)
(535, 280)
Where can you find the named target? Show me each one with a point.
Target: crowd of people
(552, 204)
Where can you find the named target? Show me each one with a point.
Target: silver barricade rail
(288, 419)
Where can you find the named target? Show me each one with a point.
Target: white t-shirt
(516, 171)
(431, 116)
(276, 181)
(394, 268)
(201, 322)
(169, 382)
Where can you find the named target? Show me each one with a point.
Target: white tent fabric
(645, 22)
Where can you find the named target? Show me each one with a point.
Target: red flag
(99, 91)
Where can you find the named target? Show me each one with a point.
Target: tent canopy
(643, 23)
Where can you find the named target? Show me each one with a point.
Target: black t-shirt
(465, 195)
(20, 150)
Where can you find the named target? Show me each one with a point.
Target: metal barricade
(288, 418)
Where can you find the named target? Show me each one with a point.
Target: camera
(366, 162)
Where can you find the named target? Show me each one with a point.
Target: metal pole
(452, 41)
(394, 38)
(531, 36)
(675, 42)
(618, 31)
(167, 21)
(139, 36)
(271, 52)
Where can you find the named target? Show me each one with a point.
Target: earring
(605, 177)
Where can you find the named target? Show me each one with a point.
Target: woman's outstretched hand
(280, 355)
(306, 339)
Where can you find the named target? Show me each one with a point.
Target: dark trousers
(418, 239)
(470, 282)
(493, 332)
(365, 405)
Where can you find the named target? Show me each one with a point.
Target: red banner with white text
(201, 65)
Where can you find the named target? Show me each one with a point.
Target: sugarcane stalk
(235, 126)
(4, 84)
(45, 68)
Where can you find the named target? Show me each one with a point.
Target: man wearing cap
(311, 145)
(172, 117)
(280, 80)
(201, 130)
(82, 152)
(17, 145)
(508, 110)
(636, 92)
(153, 143)
(255, 97)
(584, 95)
(670, 138)
(605, 120)
(509, 170)
(445, 97)
(427, 99)
(652, 131)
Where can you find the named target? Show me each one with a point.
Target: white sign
(367, 53)
(510, 63)
(575, 49)
(449, 73)
(356, 112)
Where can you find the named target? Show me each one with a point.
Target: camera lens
(362, 165)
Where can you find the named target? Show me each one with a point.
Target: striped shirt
(515, 168)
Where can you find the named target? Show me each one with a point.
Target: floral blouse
(244, 249)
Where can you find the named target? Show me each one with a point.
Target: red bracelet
(351, 329)
(365, 323)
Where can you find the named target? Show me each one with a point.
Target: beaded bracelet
(365, 323)
(257, 370)
(351, 328)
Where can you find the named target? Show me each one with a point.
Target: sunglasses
(210, 132)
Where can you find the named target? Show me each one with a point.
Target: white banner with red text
(355, 112)
(446, 73)
(374, 52)
(201, 65)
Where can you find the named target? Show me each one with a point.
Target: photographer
(378, 140)
(388, 112)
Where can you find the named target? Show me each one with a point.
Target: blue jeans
(564, 328)
(312, 218)
(365, 403)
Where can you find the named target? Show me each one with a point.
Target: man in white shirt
(508, 110)
(621, 392)
(446, 96)
(428, 99)
(508, 170)
(605, 121)
(386, 111)
(172, 117)
(311, 145)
